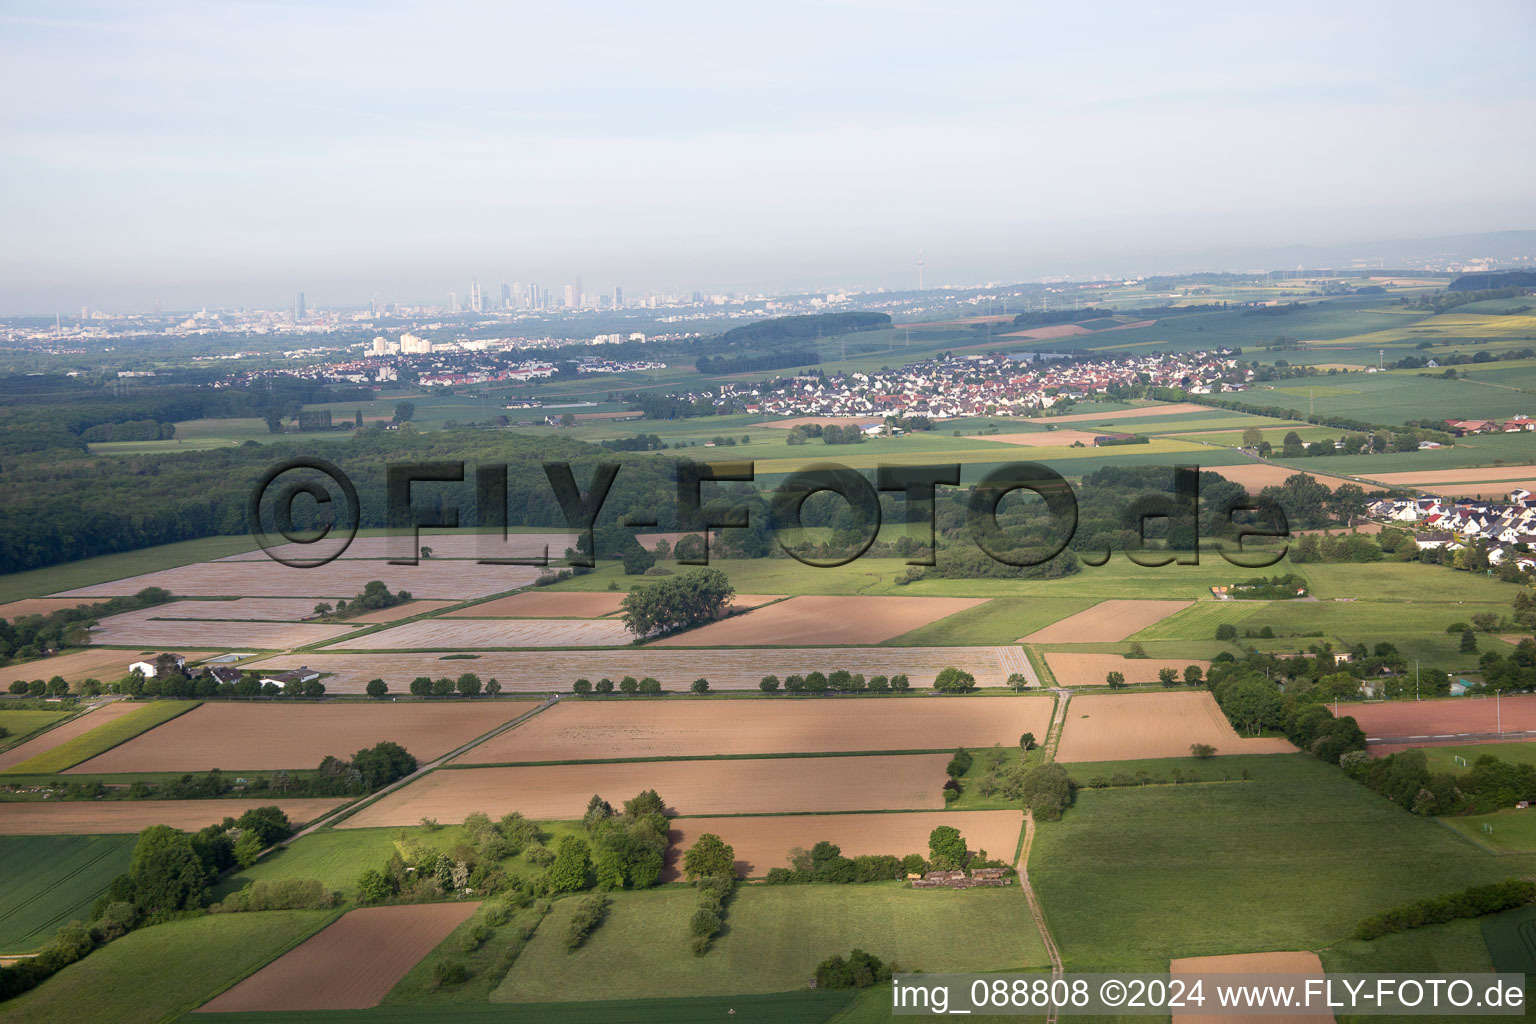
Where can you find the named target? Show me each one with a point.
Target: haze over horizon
(233, 154)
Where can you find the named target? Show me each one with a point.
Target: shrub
(860, 970)
(1201, 750)
(953, 680)
(588, 914)
(699, 685)
(449, 971)
(960, 763)
(1475, 901)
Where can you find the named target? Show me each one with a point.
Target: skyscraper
(453, 302)
(570, 296)
(298, 308)
(506, 295)
(618, 297)
(474, 294)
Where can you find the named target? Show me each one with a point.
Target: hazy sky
(228, 153)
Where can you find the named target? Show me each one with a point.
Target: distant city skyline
(235, 154)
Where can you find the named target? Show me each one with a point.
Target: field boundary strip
(89, 744)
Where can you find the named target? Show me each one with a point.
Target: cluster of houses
(1453, 524)
(991, 384)
(175, 664)
(1461, 428)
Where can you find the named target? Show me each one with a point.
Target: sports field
(1123, 727)
(600, 730)
(833, 621)
(539, 671)
(51, 881)
(266, 737)
(764, 842)
(1105, 621)
(350, 965)
(1448, 719)
(736, 786)
(116, 817)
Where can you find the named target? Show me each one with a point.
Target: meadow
(102, 738)
(18, 725)
(63, 877)
(1288, 860)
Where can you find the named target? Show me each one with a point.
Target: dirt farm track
(266, 737)
(350, 965)
(573, 730)
(540, 671)
(744, 786)
(764, 842)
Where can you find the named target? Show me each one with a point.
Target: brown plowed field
(1171, 409)
(1126, 727)
(1106, 622)
(264, 609)
(444, 545)
(570, 604)
(1443, 719)
(433, 578)
(68, 731)
(1302, 965)
(37, 606)
(741, 786)
(1043, 438)
(266, 737)
(116, 817)
(764, 842)
(541, 671)
(444, 634)
(149, 627)
(350, 965)
(403, 611)
(1090, 669)
(590, 730)
(823, 620)
(92, 663)
(1493, 491)
(1429, 478)
(1257, 476)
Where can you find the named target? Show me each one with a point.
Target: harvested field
(744, 786)
(37, 606)
(822, 421)
(250, 609)
(1490, 491)
(351, 965)
(266, 737)
(403, 611)
(433, 578)
(462, 544)
(570, 604)
(1042, 438)
(1429, 478)
(1090, 669)
(1128, 727)
(1169, 409)
(764, 842)
(577, 730)
(1106, 622)
(443, 634)
(823, 620)
(115, 817)
(1048, 331)
(93, 663)
(148, 627)
(63, 734)
(536, 671)
(1302, 965)
(1258, 476)
(1446, 721)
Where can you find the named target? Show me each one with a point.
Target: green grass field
(1513, 831)
(804, 1006)
(52, 880)
(21, 724)
(102, 738)
(1001, 620)
(1290, 860)
(1443, 759)
(159, 973)
(774, 938)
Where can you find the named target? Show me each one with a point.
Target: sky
(218, 153)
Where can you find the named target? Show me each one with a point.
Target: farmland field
(776, 937)
(1444, 719)
(64, 876)
(151, 627)
(1118, 727)
(350, 965)
(997, 621)
(18, 725)
(266, 737)
(1258, 476)
(13, 610)
(1106, 621)
(101, 664)
(88, 735)
(833, 621)
(1043, 438)
(458, 544)
(443, 634)
(536, 671)
(542, 604)
(1074, 669)
(1300, 966)
(190, 961)
(116, 817)
(764, 842)
(574, 730)
(736, 786)
(345, 577)
(1274, 862)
